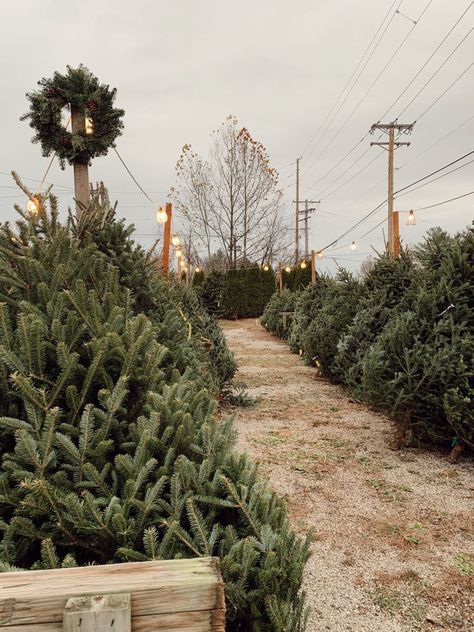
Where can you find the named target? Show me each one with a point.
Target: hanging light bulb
(89, 123)
(353, 246)
(197, 269)
(303, 265)
(288, 269)
(179, 253)
(266, 267)
(320, 254)
(161, 216)
(175, 240)
(411, 219)
(33, 206)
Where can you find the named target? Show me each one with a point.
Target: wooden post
(297, 213)
(313, 268)
(280, 277)
(81, 172)
(165, 256)
(396, 234)
(97, 613)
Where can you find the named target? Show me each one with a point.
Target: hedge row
(241, 293)
(402, 338)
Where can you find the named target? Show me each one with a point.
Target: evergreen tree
(111, 450)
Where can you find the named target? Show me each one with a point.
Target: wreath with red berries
(77, 90)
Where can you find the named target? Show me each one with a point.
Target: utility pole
(306, 212)
(165, 257)
(391, 145)
(297, 213)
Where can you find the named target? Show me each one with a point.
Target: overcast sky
(181, 67)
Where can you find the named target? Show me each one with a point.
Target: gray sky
(180, 67)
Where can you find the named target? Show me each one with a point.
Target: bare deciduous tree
(232, 200)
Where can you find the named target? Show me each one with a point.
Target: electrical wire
(133, 178)
(351, 77)
(446, 91)
(396, 193)
(420, 70)
(372, 85)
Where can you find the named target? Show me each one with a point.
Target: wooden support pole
(179, 269)
(98, 613)
(297, 213)
(313, 268)
(81, 172)
(280, 277)
(396, 234)
(165, 257)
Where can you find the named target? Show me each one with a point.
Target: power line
(446, 91)
(402, 43)
(343, 184)
(133, 177)
(408, 186)
(420, 70)
(351, 77)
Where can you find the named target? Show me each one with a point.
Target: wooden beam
(32, 599)
(81, 172)
(98, 613)
(313, 268)
(165, 257)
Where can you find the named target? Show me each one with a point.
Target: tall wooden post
(165, 256)
(313, 268)
(396, 233)
(81, 172)
(280, 277)
(179, 269)
(391, 141)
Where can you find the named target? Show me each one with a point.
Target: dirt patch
(394, 541)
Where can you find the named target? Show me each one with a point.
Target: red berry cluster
(53, 92)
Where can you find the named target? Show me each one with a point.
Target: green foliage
(246, 291)
(298, 278)
(78, 89)
(111, 449)
(272, 319)
(210, 293)
(402, 338)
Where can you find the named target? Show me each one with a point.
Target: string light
(411, 219)
(175, 240)
(303, 265)
(353, 246)
(320, 254)
(288, 269)
(179, 253)
(89, 126)
(266, 268)
(161, 216)
(197, 270)
(33, 206)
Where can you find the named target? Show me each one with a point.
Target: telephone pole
(391, 145)
(306, 213)
(297, 213)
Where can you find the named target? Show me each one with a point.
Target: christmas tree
(111, 449)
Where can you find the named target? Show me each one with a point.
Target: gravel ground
(393, 547)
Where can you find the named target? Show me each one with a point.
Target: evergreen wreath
(77, 89)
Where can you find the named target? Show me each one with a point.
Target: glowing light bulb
(179, 253)
(287, 269)
(411, 219)
(303, 265)
(161, 216)
(175, 240)
(320, 254)
(33, 206)
(197, 270)
(353, 246)
(89, 123)
(266, 268)
(185, 269)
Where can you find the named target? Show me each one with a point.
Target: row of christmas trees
(402, 338)
(110, 445)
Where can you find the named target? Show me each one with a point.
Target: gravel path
(393, 546)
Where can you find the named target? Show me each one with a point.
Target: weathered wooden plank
(201, 621)
(158, 587)
(98, 613)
